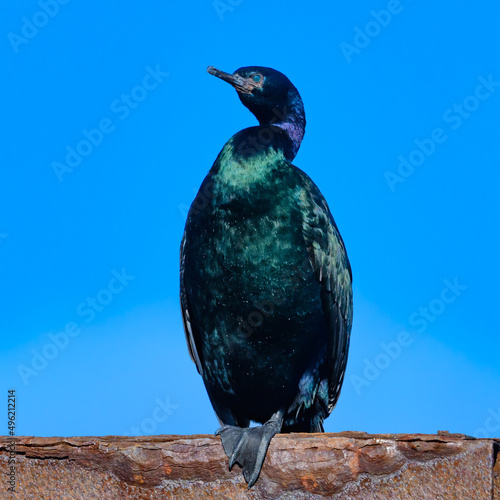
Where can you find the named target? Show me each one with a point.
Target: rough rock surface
(348, 465)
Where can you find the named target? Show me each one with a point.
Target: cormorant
(265, 280)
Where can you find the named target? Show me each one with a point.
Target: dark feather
(331, 266)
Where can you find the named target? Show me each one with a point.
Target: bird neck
(291, 119)
(295, 132)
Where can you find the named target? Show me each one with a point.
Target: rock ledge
(347, 465)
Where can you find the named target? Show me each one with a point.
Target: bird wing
(328, 257)
(188, 328)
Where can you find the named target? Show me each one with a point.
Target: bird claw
(247, 447)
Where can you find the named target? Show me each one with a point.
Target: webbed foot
(247, 447)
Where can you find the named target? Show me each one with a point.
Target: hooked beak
(241, 84)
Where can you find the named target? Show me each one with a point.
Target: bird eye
(257, 78)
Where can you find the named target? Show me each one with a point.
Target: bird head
(267, 93)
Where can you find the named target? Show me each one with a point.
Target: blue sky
(110, 123)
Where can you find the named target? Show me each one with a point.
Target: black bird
(266, 290)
